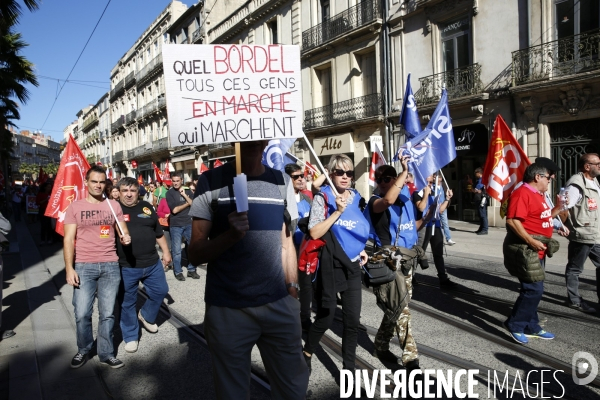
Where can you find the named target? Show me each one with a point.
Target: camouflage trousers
(401, 328)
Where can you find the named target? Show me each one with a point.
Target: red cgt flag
(141, 180)
(69, 185)
(157, 173)
(217, 163)
(377, 160)
(506, 162)
(309, 169)
(203, 168)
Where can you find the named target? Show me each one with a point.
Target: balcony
(129, 79)
(458, 82)
(347, 111)
(145, 73)
(104, 134)
(149, 148)
(162, 101)
(114, 127)
(118, 156)
(557, 59)
(130, 118)
(196, 35)
(354, 17)
(151, 107)
(128, 154)
(118, 89)
(216, 146)
(105, 160)
(88, 123)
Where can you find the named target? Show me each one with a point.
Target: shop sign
(470, 139)
(189, 164)
(147, 166)
(376, 141)
(335, 144)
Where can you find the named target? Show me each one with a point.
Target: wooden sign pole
(238, 158)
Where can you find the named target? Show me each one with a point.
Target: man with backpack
(480, 200)
(252, 282)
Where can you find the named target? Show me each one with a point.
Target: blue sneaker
(517, 337)
(541, 335)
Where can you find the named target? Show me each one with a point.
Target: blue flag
(433, 148)
(275, 156)
(409, 116)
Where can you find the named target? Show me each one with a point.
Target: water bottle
(564, 200)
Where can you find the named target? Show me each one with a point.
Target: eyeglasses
(546, 176)
(595, 165)
(387, 179)
(341, 172)
(295, 177)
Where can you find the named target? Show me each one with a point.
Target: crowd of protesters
(197, 222)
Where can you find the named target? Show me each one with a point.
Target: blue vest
(352, 228)
(408, 236)
(303, 211)
(431, 203)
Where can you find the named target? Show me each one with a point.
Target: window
(326, 95)
(325, 10)
(148, 54)
(273, 38)
(368, 73)
(456, 46)
(155, 48)
(576, 16)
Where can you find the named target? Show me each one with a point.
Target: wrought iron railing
(129, 118)
(129, 79)
(563, 57)
(162, 101)
(89, 122)
(195, 35)
(118, 156)
(355, 109)
(352, 18)
(150, 107)
(458, 82)
(120, 87)
(117, 124)
(153, 65)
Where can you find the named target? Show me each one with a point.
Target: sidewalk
(34, 364)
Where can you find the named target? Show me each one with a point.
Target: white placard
(240, 191)
(230, 93)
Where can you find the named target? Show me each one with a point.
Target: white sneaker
(131, 347)
(450, 242)
(152, 328)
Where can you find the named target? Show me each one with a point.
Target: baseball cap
(547, 163)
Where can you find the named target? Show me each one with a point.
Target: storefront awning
(183, 157)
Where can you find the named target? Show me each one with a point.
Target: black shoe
(79, 360)
(386, 356)
(477, 231)
(308, 360)
(180, 277)
(193, 274)
(424, 265)
(7, 334)
(412, 365)
(482, 232)
(113, 362)
(447, 284)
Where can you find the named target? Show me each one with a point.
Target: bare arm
(162, 243)
(382, 204)
(317, 183)
(202, 250)
(290, 263)
(517, 228)
(69, 254)
(422, 204)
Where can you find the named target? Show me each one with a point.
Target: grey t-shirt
(174, 199)
(250, 273)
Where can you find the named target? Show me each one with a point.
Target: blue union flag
(434, 147)
(275, 156)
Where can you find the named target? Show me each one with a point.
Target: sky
(57, 33)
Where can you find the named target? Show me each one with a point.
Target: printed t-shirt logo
(348, 223)
(104, 231)
(592, 205)
(126, 217)
(146, 211)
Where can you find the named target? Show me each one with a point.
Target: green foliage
(29, 169)
(51, 168)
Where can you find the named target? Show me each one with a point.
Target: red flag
(42, 176)
(309, 169)
(69, 185)
(203, 168)
(506, 162)
(377, 160)
(110, 174)
(140, 180)
(157, 173)
(217, 163)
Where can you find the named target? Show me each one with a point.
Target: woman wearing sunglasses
(339, 221)
(393, 222)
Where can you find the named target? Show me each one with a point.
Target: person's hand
(537, 245)
(449, 194)
(426, 191)
(341, 204)
(363, 258)
(238, 224)
(404, 163)
(125, 240)
(167, 215)
(292, 291)
(166, 258)
(72, 277)
(563, 231)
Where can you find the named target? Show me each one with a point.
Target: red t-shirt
(95, 239)
(308, 193)
(529, 207)
(411, 188)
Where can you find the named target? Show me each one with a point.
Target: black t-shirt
(175, 199)
(416, 197)
(381, 221)
(144, 228)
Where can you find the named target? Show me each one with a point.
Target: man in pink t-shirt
(92, 266)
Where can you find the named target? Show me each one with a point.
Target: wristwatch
(293, 284)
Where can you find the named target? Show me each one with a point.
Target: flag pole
(114, 214)
(319, 163)
(552, 205)
(238, 158)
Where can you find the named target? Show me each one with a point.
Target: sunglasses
(295, 177)
(387, 179)
(341, 172)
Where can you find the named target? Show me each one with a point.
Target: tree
(51, 168)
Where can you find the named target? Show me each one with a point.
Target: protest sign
(32, 207)
(232, 93)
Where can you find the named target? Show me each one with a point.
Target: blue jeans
(524, 317)
(445, 226)
(483, 219)
(101, 279)
(177, 232)
(155, 283)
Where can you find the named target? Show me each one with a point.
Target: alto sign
(335, 144)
